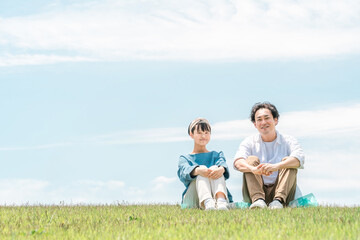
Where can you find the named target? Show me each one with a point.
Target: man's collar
(278, 138)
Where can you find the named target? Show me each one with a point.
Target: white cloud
(36, 59)
(327, 122)
(98, 185)
(331, 180)
(142, 136)
(332, 175)
(33, 191)
(337, 120)
(162, 182)
(186, 30)
(329, 183)
(22, 191)
(316, 123)
(38, 147)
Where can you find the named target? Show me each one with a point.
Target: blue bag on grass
(242, 205)
(308, 200)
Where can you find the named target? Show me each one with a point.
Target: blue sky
(96, 96)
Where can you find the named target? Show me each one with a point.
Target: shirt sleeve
(296, 151)
(244, 150)
(184, 169)
(220, 161)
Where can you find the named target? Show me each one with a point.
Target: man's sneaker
(260, 203)
(209, 204)
(222, 205)
(276, 204)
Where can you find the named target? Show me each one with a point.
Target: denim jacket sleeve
(184, 170)
(220, 161)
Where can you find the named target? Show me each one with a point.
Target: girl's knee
(200, 178)
(222, 178)
(214, 167)
(220, 194)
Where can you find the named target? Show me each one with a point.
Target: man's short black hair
(266, 105)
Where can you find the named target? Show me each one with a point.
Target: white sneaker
(276, 204)
(209, 204)
(222, 205)
(258, 204)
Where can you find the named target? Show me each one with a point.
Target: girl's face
(200, 137)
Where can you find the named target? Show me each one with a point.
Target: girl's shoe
(209, 204)
(222, 205)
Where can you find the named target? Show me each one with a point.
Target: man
(269, 161)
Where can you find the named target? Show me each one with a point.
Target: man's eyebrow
(266, 115)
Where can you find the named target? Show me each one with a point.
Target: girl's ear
(191, 135)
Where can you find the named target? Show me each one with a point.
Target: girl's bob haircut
(199, 124)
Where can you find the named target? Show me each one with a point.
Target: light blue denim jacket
(188, 162)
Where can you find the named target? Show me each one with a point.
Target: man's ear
(254, 124)
(276, 121)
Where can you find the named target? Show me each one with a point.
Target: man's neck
(269, 137)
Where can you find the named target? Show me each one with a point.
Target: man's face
(200, 137)
(264, 121)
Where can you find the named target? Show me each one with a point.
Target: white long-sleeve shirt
(284, 146)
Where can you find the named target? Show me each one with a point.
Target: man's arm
(296, 150)
(245, 150)
(241, 165)
(287, 162)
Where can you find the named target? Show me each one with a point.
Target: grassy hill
(170, 222)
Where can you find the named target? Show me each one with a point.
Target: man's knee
(253, 160)
(290, 171)
(293, 170)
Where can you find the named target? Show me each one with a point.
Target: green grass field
(170, 222)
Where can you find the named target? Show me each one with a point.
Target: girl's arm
(185, 169)
(216, 172)
(221, 162)
(200, 170)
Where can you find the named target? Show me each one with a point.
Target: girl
(203, 172)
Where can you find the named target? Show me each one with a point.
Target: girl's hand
(202, 171)
(216, 172)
